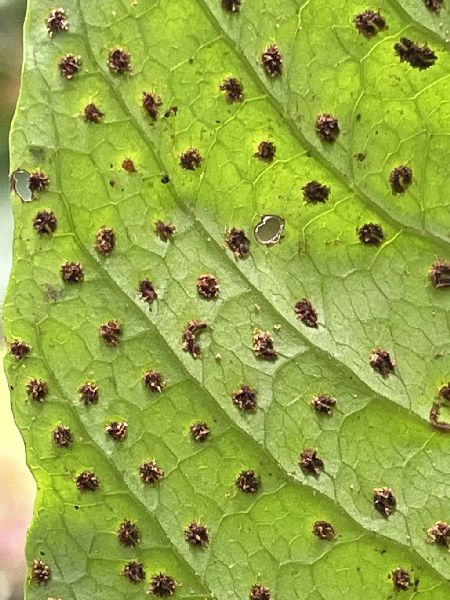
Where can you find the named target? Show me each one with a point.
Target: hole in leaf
(269, 230)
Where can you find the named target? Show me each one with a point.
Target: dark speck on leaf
(444, 392)
(72, 272)
(105, 241)
(400, 179)
(19, 349)
(248, 482)
(111, 332)
(40, 572)
(208, 286)
(259, 592)
(128, 534)
(57, 21)
(440, 274)
(272, 61)
(196, 534)
(310, 463)
(119, 60)
(69, 65)
(147, 292)
(384, 501)
(233, 89)
(233, 6)
(381, 361)
(117, 430)
(164, 230)
(315, 192)
(62, 436)
(93, 114)
(238, 242)
(200, 431)
(434, 5)
(163, 585)
(306, 312)
(150, 472)
(439, 534)
(172, 112)
(266, 151)
(37, 389)
(370, 22)
(129, 166)
(191, 159)
(417, 56)
(151, 103)
(165, 179)
(87, 481)
(190, 334)
(89, 393)
(263, 345)
(327, 127)
(154, 381)
(38, 182)
(371, 234)
(134, 571)
(324, 404)
(401, 579)
(245, 398)
(324, 530)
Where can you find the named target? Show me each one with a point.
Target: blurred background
(16, 484)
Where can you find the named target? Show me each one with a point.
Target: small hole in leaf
(269, 230)
(20, 185)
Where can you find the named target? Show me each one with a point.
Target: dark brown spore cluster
(371, 234)
(154, 381)
(38, 182)
(111, 332)
(401, 579)
(417, 56)
(444, 392)
(134, 571)
(191, 159)
(370, 22)
(233, 88)
(208, 286)
(150, 472)
(62, 436)
(57, 21)
(69, 65)
(381, 361)
(117, 430)
(248, 482)
(151, 103)
(266, 151)
(440, 274)
(272, 61)
(105, 241)
(310, 463)
(306, 312)
(72, 272)
(190, 343)
(147, 292)
(45, 222)
(384, 501)
(19, 349)
(40, 572)
(200, 431)
(93, 114)
(128, 534)
(263, 345)
(163, 585)
(439, 534)
(259, 592)
(324, 404)
(196, 534)
(37, 389)
(87, 481)
(119, 61)
(324, 530)
(233, 6)
(327, 127)
(238, 242)
(89, 393)
(401, 179)
(129, 166)
(434, 5)
(245, 398)
(315, 192)
(164, 230)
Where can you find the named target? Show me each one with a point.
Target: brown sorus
(72, 272)
(434, 5)
(444, 392)
(233, 88)
(324, 530)
(208, 286)
(435, 420)
(440, 274)
(310, 463)
(370, 22)
(134, 571)
(272, 61)
(238, 242)
(263, 345)
(37, 389)
(150, 472)
(111, 332)
(248, 482)
(381, 361)
(105, 240)
(93, 114)
(190, 334)
(164, 230)
(62, 436)
(417, 56)
(87, 481)
(199, 431)
(259, 592)
(119, 60)
(154, 381)
(128, 534)
(324, 404)
(163, 585)
(38, 182)
(19, 349)
(371, 233)
(89, 393)
(315, 192)
(165, 179)
(117, 430)
(69, 65)
(401, 179)
(401, 578)
(233, 6)
(245, 398)
(191, 159)
(172, 112)
(151, 103)
(384, 501)
(306, 312)
(129, 166)
(57, 21)
(266, 151)
(40, 572)
(439, 534)
(327, 127)
(45, 222)
(147, 291)
(196, 534)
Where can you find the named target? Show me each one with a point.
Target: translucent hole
(269, 230)
(20, 184)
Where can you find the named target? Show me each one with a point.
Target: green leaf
(367, 297)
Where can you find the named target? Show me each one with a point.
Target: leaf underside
(367, 296)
